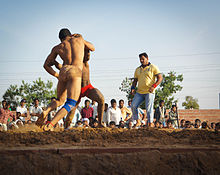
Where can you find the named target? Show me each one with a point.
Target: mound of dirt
(69, 152)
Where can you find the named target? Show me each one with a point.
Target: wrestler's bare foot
(40, 121)
(48, 127)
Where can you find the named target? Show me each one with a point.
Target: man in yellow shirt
(148, 77)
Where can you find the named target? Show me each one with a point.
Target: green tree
(37, 89)
(190, 103)
(165, 91)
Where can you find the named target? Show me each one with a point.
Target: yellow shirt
(146, 78)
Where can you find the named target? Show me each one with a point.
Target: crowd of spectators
(115, 116)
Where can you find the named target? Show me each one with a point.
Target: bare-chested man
(89, 91)
(71, 51)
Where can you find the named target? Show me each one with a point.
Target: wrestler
(71, 51)
(89, 91)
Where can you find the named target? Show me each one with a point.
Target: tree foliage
(165, 91)
(190, 103)
(37, 89)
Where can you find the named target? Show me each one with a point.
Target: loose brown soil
(110, 151)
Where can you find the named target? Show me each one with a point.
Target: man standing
(71, 51)
(87, 111)
(148, 78)
(125, 112)
(23, 110)
(114, 113)
(35, 111)
(160, 113)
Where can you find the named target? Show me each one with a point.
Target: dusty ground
(69, 152)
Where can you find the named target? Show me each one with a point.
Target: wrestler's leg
(70, 116)
(96, 95)
(73, 92)
(61, 97)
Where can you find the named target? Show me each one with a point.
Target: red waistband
(84, 89)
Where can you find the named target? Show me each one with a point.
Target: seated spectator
(12, 125)
(112, 124)
(160, 113)
(217, 126)
(169, 124)
(87, 111)
(212, 125)
(95, 124)
(6, 116)
(29, 122)
(19, 123)
(121, 124)
(114, 113)
(183, 124)
(79, 124)
(130, 125)
(198, 124)
(187, 124)
(125, 112)
(85, 122)
(157, 124)
(205, 125)
(22, 110)
(105, 117)
(173, 116)
(35, 111)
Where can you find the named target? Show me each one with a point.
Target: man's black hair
(4, 101)
(161, 101)
(112, 123)
(113, 101)
(106, 104)
(64, 33)
(87, 101)
(143, 54)
(36, 99)
(121, 101)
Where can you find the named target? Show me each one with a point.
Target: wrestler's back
(71, 51)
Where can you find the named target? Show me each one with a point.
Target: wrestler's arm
(50, 62)
(58, 65)
(89, 46)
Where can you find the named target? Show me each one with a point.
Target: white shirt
(114, 115)
(95, 113)
(105, 117)
(77, 116)
(34, 109)
(22, 111)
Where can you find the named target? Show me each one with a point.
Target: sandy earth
(110, 151)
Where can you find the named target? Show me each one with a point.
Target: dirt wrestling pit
(110, 151)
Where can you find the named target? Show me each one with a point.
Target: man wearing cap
(23, 110)
(148, 77)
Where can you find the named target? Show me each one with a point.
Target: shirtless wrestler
(71, 51)
(89, 91)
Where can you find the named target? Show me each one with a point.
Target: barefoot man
(71, 51)
(87, 90)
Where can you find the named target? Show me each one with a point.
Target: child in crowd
(85, 123)
(169, 124)
(173, 116)
(183, 124)
(198, 124)
(112, 124)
